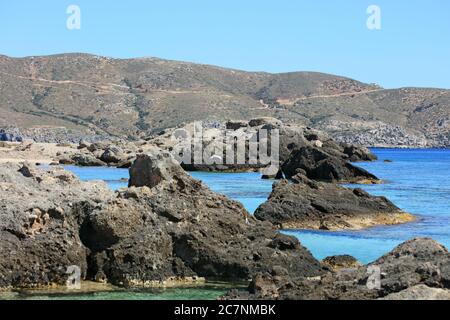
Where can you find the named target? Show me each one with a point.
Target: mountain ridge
(133, 98)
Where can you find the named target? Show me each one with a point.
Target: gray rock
(309, 204)
(153, 167)
(420, 292)
(39, 219)
(407, 272)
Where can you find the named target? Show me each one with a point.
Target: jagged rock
(341, 262)
(321, 165)
(358, 153)
(172, 227)
(86, 160)
(291, 139)
(153, 167)
(39, 233)
(400, 274)
(308, 204)
(175, 226)
(236, 124)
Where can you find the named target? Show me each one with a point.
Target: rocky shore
(167, 228)
(418, 269)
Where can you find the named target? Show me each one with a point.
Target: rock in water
(308, 204)
(323, 166)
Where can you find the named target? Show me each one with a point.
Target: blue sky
(411, 49)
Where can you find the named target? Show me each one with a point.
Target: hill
(80, 94)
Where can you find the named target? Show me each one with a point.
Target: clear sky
(411, 49)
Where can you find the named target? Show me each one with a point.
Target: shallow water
(418, 181)
(207, 292)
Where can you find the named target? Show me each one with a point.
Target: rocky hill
(77, 95)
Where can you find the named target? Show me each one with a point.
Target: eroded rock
(309, 204)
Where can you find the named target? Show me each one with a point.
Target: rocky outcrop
(154, 167)
(168, 224)
(321, 165)
(341, 262)
(309, 204)
(299, 148)
(39, 234)
(403, 273)
(166, 227)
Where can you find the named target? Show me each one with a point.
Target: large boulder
(309, 204)
(154, 167)
(323, 166)
(39, 224)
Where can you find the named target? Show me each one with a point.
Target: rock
(308, 204)
(236, 124)
(166, 226)
(112, 155)
(341, 262)
(39, 226)
(153, 167)
(420, 292)
(125, 164)
(98, 146)
(28, 170)
(264, 121)
(173, 225)
(358, 153)
(418, 268)
(291, 138)
(323, 166)
(83, 145)
(86, 160)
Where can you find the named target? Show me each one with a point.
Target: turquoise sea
(418, 181)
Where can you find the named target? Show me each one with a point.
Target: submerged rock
(309, 204)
